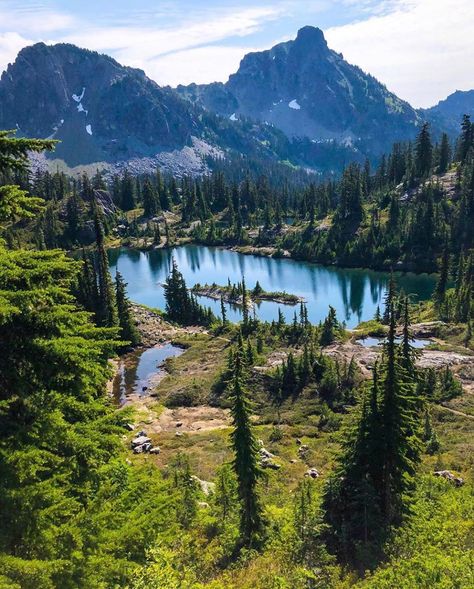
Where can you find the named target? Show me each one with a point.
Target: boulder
(312, 473)
(139, 441)
(129, 426)
(269, 463)
(303, 450)
(264, 453)
(206, 486)
(449, 476)
(155, 450)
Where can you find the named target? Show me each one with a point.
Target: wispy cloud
(421, 49)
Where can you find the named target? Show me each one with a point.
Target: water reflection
(354, 293)
(139, 369)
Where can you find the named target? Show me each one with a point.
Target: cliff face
(96, 107)
(307, 90)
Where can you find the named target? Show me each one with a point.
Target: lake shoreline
(272, 253)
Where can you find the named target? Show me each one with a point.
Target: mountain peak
(312, 35)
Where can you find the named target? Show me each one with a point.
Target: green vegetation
(316, 469)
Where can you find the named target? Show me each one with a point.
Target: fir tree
(106, 309)
(424, 152)
(246, 457)
(128, 330)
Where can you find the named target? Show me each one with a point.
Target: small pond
(139, 371)
(370, 341)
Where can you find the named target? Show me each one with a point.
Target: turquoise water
(354, 293)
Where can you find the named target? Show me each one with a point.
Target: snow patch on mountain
(294, 104)
(77, 98)
(233, 117)
(89, 129)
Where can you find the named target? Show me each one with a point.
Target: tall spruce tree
(424, 152)
(107, 308)
(128, 330)
(246, 456)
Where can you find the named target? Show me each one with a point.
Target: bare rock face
(99, 109)
(307, 90)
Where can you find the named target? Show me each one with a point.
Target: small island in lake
(234, 294)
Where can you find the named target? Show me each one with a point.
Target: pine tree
(151, 205)
(389, 299)
(245, 306)
(246, 457)
(107, 308)
(444, 154)
(127, 192)
(442, 284)
(401, 446)
(129, 332)
(424, 152)
(223, 313)
(330, 326)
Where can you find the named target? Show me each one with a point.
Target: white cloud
(422, 49)
(10, 45)
(138, 45)
(201, 65)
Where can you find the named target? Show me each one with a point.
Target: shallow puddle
(138, 371)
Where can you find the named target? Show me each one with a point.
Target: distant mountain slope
(448, 113)
(306, 89)
(98, 108)
(102, 112)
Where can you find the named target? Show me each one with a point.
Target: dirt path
(456, 412)
(192, 419)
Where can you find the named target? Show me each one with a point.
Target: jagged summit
(311, 35)
(308, 90)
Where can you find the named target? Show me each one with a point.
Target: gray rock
(449, 476)
(269, 463)
(155, 450)
(312, 473)
(206, 486)
(139, 441)
(129, 426)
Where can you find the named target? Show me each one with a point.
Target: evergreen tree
(107, 308)
(128, 330)
(151, 205)
(444, 154)
(424, 152)
(246, 457)
(330, 327)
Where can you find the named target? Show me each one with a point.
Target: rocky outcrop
(449, 476)
(307, 90)
(141, 443)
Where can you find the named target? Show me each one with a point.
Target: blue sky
(418, 48)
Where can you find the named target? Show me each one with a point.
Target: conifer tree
(424, 152)
(107, 308)
(246, 457)
(442, 284)
(223, 312)
(444, 154)
(128, 330)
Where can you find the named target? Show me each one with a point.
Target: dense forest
(415, 204)
(79, 509)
